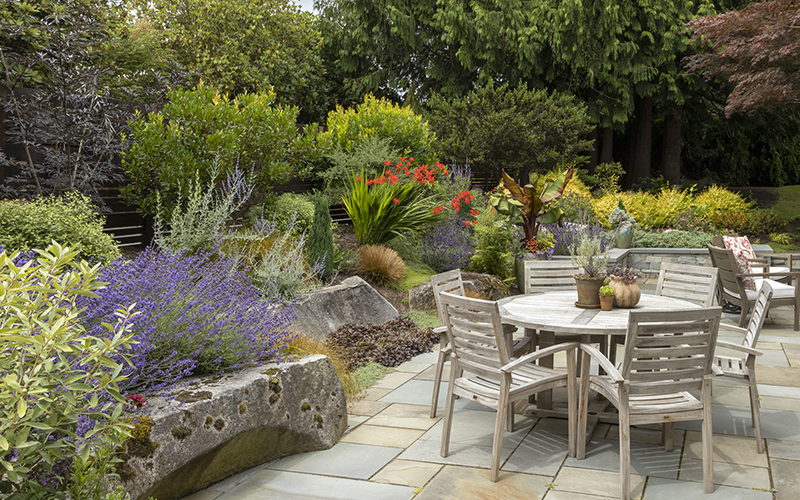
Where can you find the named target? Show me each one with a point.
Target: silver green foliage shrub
(200, 221)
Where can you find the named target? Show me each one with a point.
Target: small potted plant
(626, 290)
(623, 223)
(606, 297)
(592, 257)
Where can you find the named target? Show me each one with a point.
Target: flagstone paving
(391, 449)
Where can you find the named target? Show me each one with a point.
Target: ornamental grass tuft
(380, 264)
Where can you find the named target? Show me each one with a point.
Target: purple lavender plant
(447, 244)
(568, 235)
(199, 314)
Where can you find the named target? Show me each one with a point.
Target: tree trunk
(644, 141)
(595, 156)
(607, 151)
(671, 150)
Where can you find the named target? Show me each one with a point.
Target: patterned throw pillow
(742, 251)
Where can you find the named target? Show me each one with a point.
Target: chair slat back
(760, 311)
(448, 281)
(696, 284)
(725, 263)
(549, 276)
(476, 334)
(667, 351)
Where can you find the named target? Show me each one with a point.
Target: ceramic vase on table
(626, 295)
(624, 236)
(589, 292)
(606, 302)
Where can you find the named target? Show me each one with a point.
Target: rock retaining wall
(218, 426)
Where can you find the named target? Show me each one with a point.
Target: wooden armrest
(732, 328)
(604, 363)
(716, 370)
(739, 347)
(796, 274)
(440, 330)
(548, 351)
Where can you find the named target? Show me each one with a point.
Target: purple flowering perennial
(198, 314)
(447, 244)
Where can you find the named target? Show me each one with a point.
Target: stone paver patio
(391, 449)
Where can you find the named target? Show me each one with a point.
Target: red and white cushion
(742, 252)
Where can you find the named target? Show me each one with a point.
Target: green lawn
(788, 205)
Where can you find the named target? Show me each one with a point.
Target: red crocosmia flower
(387, 162)
(358, 179)
(396, 201)
(468, 223)
(411, 159)
(475, 222)
(369, 182)
(402, 158)
(473, 212)
(382, 179)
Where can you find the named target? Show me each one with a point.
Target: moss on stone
(271, 371)
(192, 397)
(219, 424)
(139, 444)
(305, 406)
(274, 399)
(275, 385)
(242, 408)
(209, 421)
(318, 419)
(181, 432)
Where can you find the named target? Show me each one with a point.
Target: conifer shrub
(380, 264)
(70, 220)
(319, 248)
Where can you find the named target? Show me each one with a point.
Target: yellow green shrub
(574, 186)
(649, 210)
(716, 199)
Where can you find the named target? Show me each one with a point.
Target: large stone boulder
(485, 286)
(353, 301)
(218, 426)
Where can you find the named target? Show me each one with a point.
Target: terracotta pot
(625, 295)
(606, 302)
(589, 292)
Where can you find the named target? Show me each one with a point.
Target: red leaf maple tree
(757, 49)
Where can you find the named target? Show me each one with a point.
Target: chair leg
(624, 454)
(668, 435)
(437, 381)
(448, 412)
(497, 445)
(583, 408)
(708, 444)
(743, 314)
(755, 413)
(571, 406)
(510, 417)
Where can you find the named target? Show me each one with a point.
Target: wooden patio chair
(667, 354)
(452, 282)
(696, 284)
(768, 263)
(732, 286)
(479, 348)
(741, 370)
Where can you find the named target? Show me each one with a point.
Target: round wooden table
(554, 314)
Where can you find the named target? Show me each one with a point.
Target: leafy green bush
(493, 246)
(380, 264)
(289, 211)
(514, 129)
(70, 220)
(196, 127)
(369, 155)
(750, 223)
(406, 131)
(608, 176)
(649, 210)
(320, 246)
(670, 239)
(60, 405)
